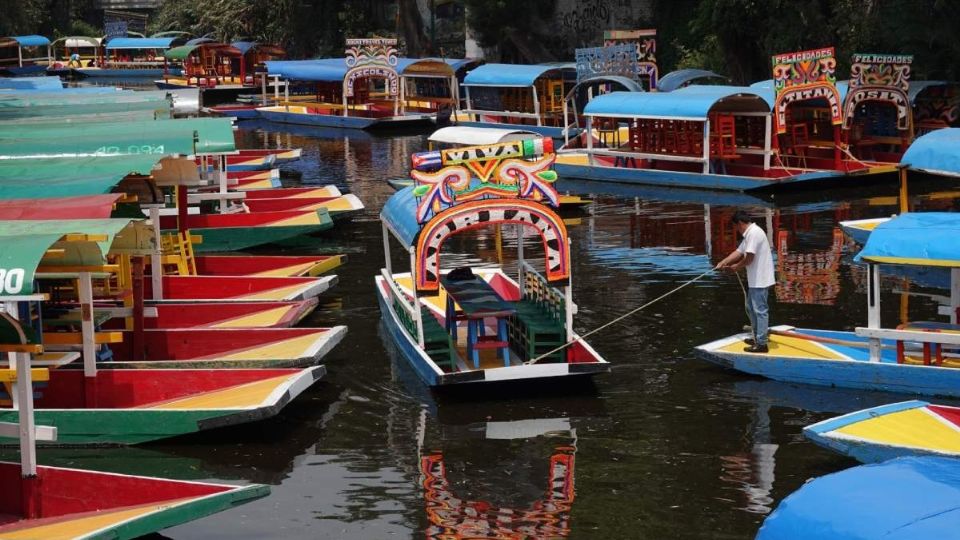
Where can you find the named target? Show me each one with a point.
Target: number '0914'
(11, 281)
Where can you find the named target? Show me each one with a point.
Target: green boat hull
(240, 238)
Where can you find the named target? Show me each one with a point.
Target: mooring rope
(618, 319)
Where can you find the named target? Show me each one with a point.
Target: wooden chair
(799, 140)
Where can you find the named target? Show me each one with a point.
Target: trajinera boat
(56, 502)
(513, 330)
(917, 357)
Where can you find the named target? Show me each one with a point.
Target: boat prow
(889, 431)
(859, 229)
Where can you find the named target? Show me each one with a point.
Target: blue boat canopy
(766, 88)
(400, 215)
(308, 70)
(459, 63)
(916, 239)
(911, 498)
(142, 43)
(27, 41)
(676, 79)
(508, 74)
(244, 46)
(937, 152)
(688, 103)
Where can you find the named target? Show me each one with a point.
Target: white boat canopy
(473, 136)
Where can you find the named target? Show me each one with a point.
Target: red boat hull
(239, 288)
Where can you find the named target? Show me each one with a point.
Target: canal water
(665, 446)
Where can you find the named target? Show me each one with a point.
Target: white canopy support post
(263, 90)
(566, 124)
(536, 105)
(954, 294)
(767, 141)
(417, 315)
(706, 146)
(469, 102)
(520, 263)
(402, 102)
(873, 308)
(10, 308)
(386, 248)
(87, 331)
(343, 91)
(20, 55)
(768, 215)
(589, 136)
(568, 301)
(286, 89)
(156, 258)
(28, 433)
(222, 179)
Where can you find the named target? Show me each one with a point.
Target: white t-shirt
(760, 271)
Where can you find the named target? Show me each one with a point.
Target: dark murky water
(666, 446)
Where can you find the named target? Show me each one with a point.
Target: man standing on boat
(754, 254)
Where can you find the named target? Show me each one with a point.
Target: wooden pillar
(156, 258)
(138, 307)
(767, 141)
(837, 157)
(904, 192)
(182, 208)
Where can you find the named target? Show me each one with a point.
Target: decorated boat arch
(24, 55)
(645, 43)
(515, 329)
(877, 117)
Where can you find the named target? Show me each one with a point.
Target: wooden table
(477, 301)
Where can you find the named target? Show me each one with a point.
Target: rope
(618, 319)
(853, 157)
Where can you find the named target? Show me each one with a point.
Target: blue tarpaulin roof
(675, 79)
(30, 41)
(507, 74)
(400, 214)
(141, 43)
(909, 498)
(936, 152)
(691, 102)
(767, 89)
(915, 238)
(244, 46)
(323, 70)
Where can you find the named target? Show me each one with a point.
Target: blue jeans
(759, 313)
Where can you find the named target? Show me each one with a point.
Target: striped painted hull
(859, 230)
(231, 347)
(267, 265)
(324, 192)
(336, 206)
(804, 361)
(877, 434)
(168, 402)
(219, 289)
(84, 505)
(230, 315)
(234, 232)
(280, 155)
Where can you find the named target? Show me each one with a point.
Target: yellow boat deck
(243, 396)
(83, 525)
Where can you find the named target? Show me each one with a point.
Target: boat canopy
(400, 215)
(82, 242)
(66, 107)
(765, 88)
(937, 152)
(183, 51)
(870, 501)
(424, 67)
(68, 177)
(24, 41)
(472, 136)
(75, 42)
(246, 46)
(460, 63)
(677, 79)
(916, 239)
(82, 207)
(158, 137)
(33, 83)
(307, 70)
(143, 43)
(688, 103)
(172, 33)
(521, 75)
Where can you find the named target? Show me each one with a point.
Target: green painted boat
(187, 136)
(235, 232)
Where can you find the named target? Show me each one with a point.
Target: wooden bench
(538, 327)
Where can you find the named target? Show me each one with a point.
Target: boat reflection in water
(808, 277)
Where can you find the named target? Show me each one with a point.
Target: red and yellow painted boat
(230, 315)
(234, 232)
(281, 155)
(230, 347)
(240, 162)
(267, 265)
(218, 289)
(336, 206)
(73, 503)
(244, 180)
(295, 193)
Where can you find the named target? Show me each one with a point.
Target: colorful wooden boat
(253, 180)
(224, 347)
(350, 84)
(690, 137)
(514, 96)
(230, 315)
(241, 163)
(55, 502)
(134, 57)
(280, 155)
(325, 192)
(221, 288)
(567, 201)
(24, 55)
(337, 207)
(532, 322)
(915, 358)
(859, 229)
(910, 498)
(889, 431)
(235, 232)
(267, 265)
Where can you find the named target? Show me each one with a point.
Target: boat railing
(932, 341)
(510, 114)
(536, 288)
(409, 314)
